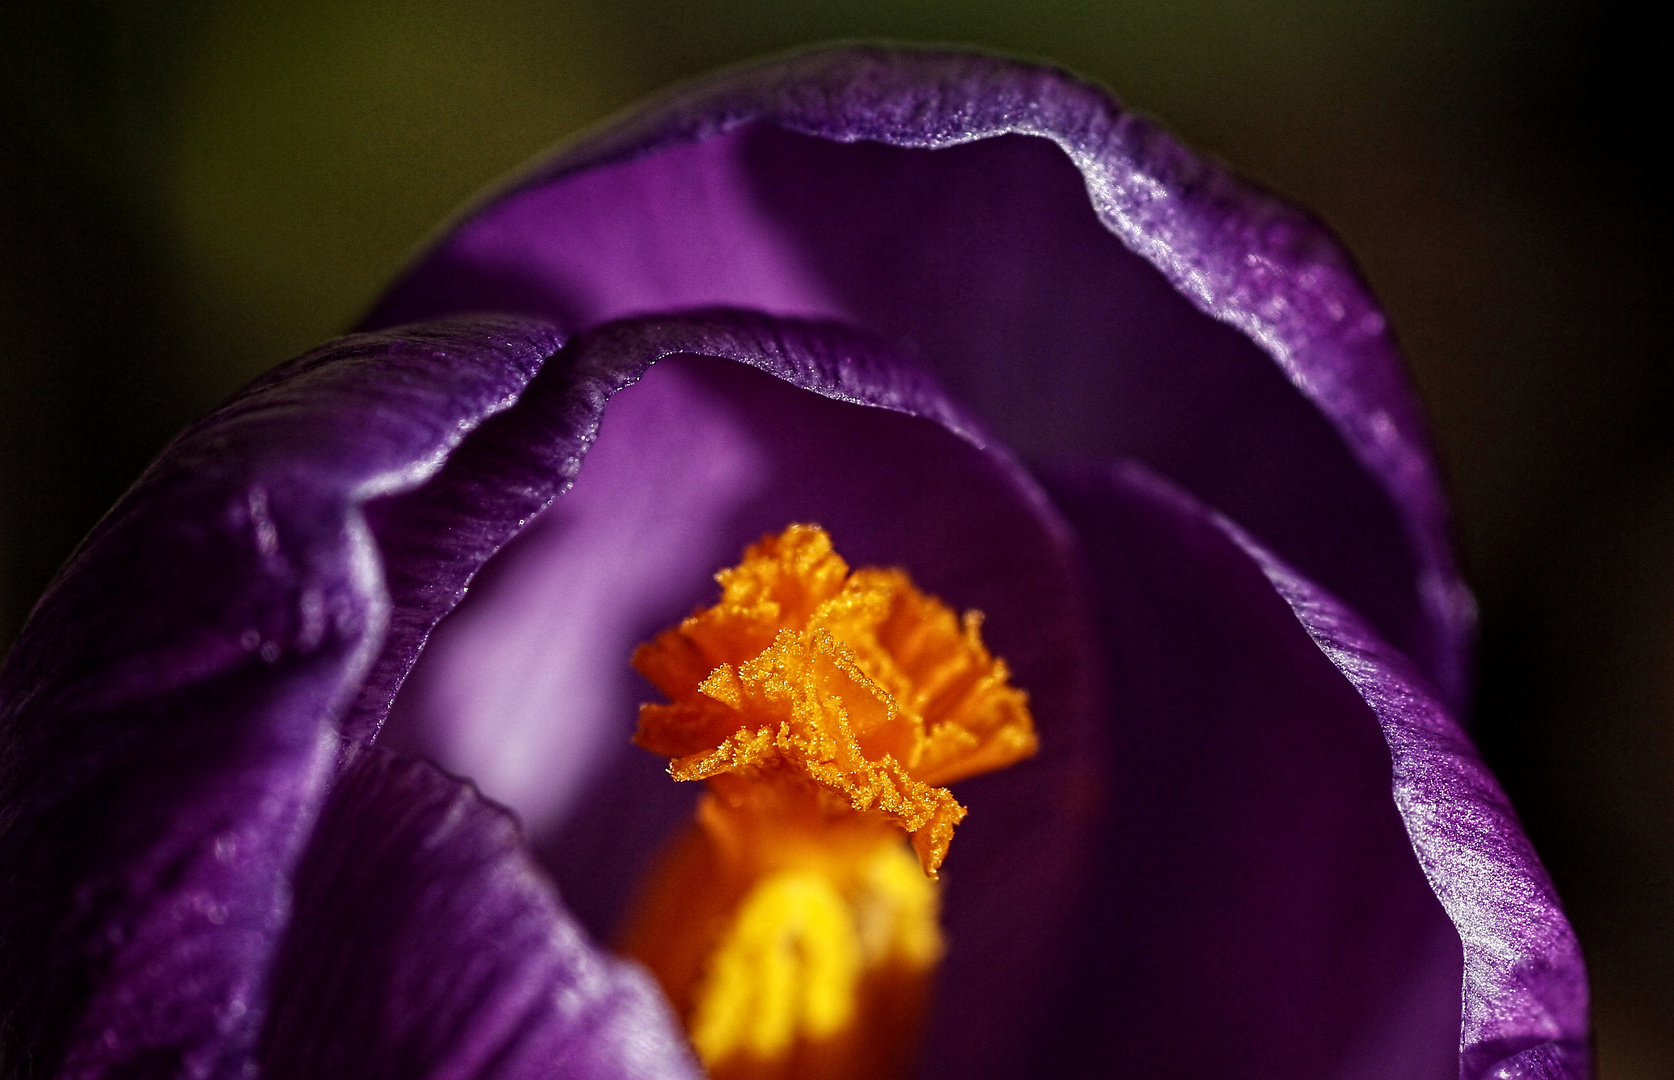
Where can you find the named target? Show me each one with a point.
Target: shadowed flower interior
(790, 925)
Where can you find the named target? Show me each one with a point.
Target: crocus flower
(1254, 843)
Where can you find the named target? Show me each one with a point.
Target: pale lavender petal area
(168, 718)
(1473, 910)
(1065, 267)
(502, 478)
(426, 943)
(711, 438)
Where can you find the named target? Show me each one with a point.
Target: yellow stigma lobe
(809, 686)
(791, 926)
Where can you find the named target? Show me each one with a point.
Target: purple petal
(436, 539)
(169, 712)
(1122, 296)
(426, 943)
(526, 687)
(1525, 1001)
(1265, 865)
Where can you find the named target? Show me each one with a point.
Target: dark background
(190, 192)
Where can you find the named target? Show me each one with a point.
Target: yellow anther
(786, 969)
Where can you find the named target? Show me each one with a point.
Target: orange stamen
(826, 709)
(858, 684)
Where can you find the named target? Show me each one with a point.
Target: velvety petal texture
(1524, 985)
(1254, 881)
(170, 759)
(1525, 996)
(170, 712)
(438, 537)
(427, 943)
(742, 425)
(1069, 270)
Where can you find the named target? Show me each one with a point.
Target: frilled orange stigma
(808, 687)
(792, 928)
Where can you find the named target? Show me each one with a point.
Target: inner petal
(697, 459)
(987, 260)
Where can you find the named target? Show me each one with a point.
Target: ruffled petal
(425, 943)
(168, 723)
(527, 688)
(1123, 296)
(436, 538)
(1250, 701)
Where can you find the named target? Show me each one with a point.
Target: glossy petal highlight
(1255, 909)
(1525, 996)
(1123, 295)
(1524, 989)
(168, 725)
(715, 444)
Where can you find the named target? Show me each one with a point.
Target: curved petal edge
(425, 942)
(168, 717)
(1525, 990)
(1238, 253)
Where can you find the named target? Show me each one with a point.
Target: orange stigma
(792, 928)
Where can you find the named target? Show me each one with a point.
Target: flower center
(791, 926)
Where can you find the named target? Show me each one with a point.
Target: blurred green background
(192, 191)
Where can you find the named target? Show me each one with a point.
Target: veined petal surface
(168, 717)
(426, 943)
